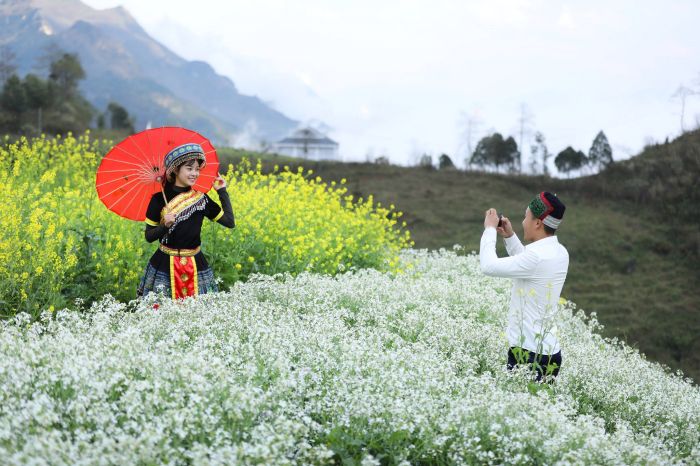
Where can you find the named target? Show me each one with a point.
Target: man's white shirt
(538, 271)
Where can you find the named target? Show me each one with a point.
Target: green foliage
(426, 162)
(600, 153)
(663, 176)
(32, 106)
(13, 101)
(569, 159)
(59, 242)
(119, 118)
(495, 151)
(445, 162)
(65, 73)
(37, 91)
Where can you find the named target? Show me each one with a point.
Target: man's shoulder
(547, 247)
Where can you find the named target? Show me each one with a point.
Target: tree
(38, 98)
(65, 73)
(524, 124)
(382, 160)
(26, 104)
(495, 151)
(469, 125)
(51, 53)
(682, 94)
(569, 160)
(508, 155)
(119, 117)
(600, 153)
(70, 111)
(13, 102)
(539, 152)
(37, 92)
(7, 63)
(445, 162)
(426, 161)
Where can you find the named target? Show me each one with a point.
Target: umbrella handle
(163, 193)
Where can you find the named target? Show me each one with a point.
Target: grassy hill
(632, 232)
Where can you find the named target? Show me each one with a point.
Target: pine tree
(600, 154)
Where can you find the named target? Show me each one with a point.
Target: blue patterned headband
(182, 154)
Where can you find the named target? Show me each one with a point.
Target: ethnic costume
(178, 267)
(538, 271)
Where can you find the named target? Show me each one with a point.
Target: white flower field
(362, 368)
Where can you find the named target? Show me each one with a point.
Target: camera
(500, 220)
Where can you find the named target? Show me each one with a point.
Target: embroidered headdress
(182, 154)
(548, 208)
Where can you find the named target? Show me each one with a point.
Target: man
(538, 271)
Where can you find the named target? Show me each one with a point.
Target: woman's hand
(506, 228)
(219, 182)
(169, 219)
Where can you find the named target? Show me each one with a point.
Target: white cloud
(397, 74)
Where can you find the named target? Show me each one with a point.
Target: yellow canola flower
(63, 240)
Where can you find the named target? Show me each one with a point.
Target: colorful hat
(548, 208)
(182, 154)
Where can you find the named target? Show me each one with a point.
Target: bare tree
(50, 53)
(682, 94)
(469, 127)
(539, 152)
(524, 123)
(8, 67)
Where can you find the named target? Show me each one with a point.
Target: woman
(178, 267)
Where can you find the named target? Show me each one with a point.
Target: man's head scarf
(548, 208)
(182, 154)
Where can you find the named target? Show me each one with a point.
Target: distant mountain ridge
(124, 64)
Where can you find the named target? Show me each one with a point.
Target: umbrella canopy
(132, 171)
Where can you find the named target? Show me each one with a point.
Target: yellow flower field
(58, 242)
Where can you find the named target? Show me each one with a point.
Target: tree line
(502, 154)
(496, 151)
(35, 105)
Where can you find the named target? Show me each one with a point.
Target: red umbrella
(132, 171)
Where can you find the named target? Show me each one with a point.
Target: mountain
(124, 64)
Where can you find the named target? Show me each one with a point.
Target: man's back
(535, 296)
(538, 272)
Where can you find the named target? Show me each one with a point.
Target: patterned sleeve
(154, 209)
(214, 211)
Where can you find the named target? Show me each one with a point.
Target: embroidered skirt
(181, 277)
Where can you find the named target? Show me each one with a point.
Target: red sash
(183, 277)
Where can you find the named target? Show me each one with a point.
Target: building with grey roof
(308, 143)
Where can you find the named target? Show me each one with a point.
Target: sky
(400, 78)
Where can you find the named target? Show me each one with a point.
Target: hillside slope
(630, 263)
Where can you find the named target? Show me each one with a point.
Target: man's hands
(491, 220)
(506, 228)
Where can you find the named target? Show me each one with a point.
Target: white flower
(284, 370)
